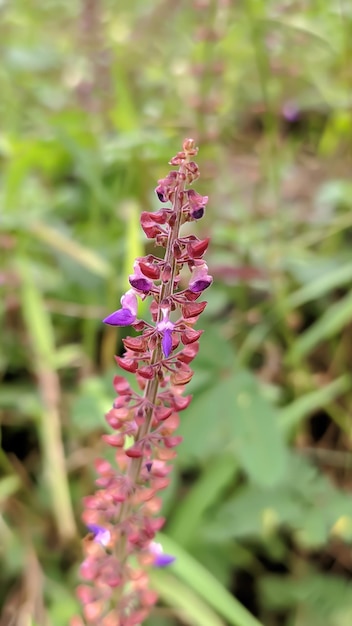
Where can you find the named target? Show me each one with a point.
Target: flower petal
(160, 558)
(200, 285)
(101, 535)
(129, 301)
(166, 342)
(140, 283)
(122, 317)
(163, 560)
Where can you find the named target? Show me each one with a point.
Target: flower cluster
(122, 516)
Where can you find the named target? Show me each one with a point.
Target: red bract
(121, 386)
(193, 309)
(190, 335)
(149, 270)
(197, 248)
(123, 514)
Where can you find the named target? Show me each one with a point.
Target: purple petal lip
(166, 342)
(163, 560)
(141, 284)
(198, 213)
(122, 317)
(199, 285)
(161, 196)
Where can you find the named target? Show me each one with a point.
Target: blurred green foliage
(95, 98)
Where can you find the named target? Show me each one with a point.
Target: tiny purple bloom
(290, 111)
(128, 314)
(101, 535)
(163, 560)
(197, 204)
(160, 558)
(165, 327)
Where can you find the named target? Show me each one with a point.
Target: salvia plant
(122, 515)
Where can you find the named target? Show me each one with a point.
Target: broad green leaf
(90, 405)
(257, 439)
(326, 596)
(306, 502)
(254, 511)
(216, 352)
(234, 415)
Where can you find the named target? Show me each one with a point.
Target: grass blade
(207, 586)
(207, 490)
(330, 323)
(190, 608)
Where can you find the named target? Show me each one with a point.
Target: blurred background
(96, 96)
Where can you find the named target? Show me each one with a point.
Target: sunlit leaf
(234, 415)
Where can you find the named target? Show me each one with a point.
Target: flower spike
(123, 513)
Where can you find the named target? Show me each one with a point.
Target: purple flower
(200, 279)
(161, 193)
(139, 281)
(165, 328)
(101, 535)
(128, 314)
(166, 342)
(197, 204)
(290, 111)
(160, 558)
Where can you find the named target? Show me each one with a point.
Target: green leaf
(306, 502)
(325, 596)
(253, 511)
(90, 405)
(234, 415)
